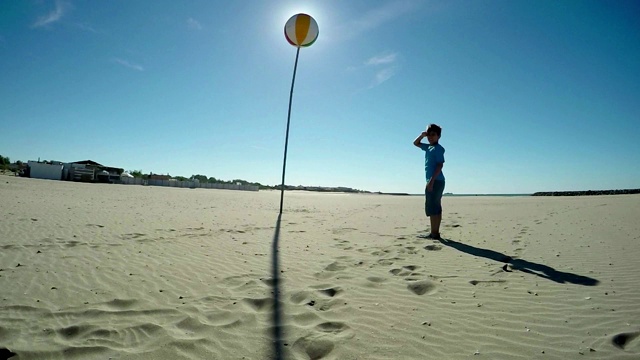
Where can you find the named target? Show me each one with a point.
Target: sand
(98, 271)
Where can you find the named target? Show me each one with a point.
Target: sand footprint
(414, 283)
(376, 279)
(433, 247)
(299, 297)
(313, 346)
(325, 298)
(399, 272)
(259, 304)
(224, 319)
(380, 253)
(404, 271)
(385, 262)
(623, 339)
(334, 266)
(237, 281)
(71, 332)
(331, 292)
(422, 287)
(522, 232)
(517, 252)
(306, 319)
(335, 328)
(409, 250)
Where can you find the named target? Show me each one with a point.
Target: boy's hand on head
(424, 134)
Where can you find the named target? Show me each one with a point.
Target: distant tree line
(5, 163)
(212, 180)
(4, 160)
(203, 179)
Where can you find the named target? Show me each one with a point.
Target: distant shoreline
(347, 190)
(588, 192)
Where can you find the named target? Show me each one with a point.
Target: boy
(433, 162)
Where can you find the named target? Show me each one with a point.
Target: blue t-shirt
(433, 155)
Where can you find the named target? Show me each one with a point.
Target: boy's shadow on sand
(529, 267)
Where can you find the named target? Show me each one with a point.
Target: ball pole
(301, 30)
(286, 141)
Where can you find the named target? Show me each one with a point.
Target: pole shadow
(543, 271)
(277, 333)
(6, 354)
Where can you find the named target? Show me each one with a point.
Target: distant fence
(187, 184)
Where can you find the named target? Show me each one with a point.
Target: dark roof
(87, 162)
(100, 166)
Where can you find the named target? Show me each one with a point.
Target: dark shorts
(433, 199)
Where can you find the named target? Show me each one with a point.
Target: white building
(41, 170)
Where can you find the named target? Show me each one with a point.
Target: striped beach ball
(301, 30)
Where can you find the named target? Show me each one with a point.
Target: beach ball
(301, 30)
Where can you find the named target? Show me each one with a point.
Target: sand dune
(93, 271)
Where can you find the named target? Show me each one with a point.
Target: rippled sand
(92, 271)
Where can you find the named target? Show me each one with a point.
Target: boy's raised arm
(417, 141)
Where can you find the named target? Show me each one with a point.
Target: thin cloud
(382, 59)
(377, 17)
(194, 24)
(54, 16)
(385, 67)
(128, 64)
(383, 75)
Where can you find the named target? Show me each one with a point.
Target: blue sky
(531, 95)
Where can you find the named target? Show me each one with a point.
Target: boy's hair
(434, 128)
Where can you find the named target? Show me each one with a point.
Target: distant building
(85, 170)
(91, 171)
(45, 170)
